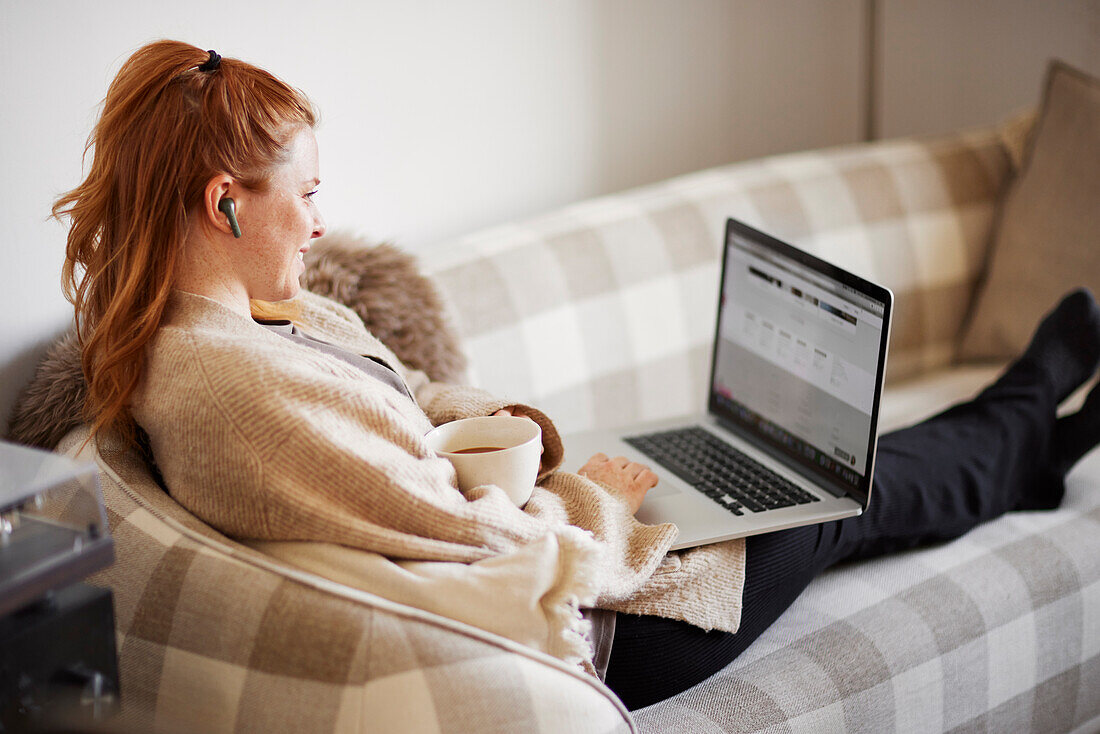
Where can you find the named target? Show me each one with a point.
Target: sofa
(597, 312)
(601, 313)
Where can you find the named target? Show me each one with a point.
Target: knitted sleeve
(441, 402)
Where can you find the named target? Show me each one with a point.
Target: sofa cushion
(1048, 237)
(1016, 136)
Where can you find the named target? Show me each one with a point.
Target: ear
(216, 189)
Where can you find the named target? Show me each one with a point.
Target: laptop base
(702, 520)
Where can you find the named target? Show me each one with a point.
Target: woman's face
(278, 224)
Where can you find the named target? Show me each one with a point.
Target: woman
(190, 230)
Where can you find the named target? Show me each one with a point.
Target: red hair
(166, 129)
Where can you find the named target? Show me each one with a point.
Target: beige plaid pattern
(603, 312)
(998, 631)
(214, 637)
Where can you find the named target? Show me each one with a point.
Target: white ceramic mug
(497, 449)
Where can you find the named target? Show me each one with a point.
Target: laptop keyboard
(718, 470)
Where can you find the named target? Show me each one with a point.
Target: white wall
(947, 64)
(441, 117)
(437, 117)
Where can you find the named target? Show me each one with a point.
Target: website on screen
(797, 356)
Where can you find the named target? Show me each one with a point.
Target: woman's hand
(518, 413)
(630, 478)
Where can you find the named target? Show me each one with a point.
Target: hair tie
(212, 63)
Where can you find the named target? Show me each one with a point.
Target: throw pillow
(1016, 134)
(1047, 239)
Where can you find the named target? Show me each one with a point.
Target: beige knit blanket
(306, 457)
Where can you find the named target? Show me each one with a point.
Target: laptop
(791, 426)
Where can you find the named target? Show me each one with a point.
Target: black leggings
(933, 481)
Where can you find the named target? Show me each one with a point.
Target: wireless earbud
(229, 208)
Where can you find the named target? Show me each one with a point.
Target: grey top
(602, 636)
(373, 366)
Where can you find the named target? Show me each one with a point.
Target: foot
(1076, 434)
(1066, 346)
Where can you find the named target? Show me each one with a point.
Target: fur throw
(382, 284)
(52, 404)
(399, 305)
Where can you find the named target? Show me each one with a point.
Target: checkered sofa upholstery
(602, 313)
(598, 311)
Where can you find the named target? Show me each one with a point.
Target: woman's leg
(653, 658)
(933, 481)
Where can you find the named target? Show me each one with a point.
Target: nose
(318, 225)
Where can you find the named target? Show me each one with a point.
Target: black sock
(1066, 345)
(1077, 434)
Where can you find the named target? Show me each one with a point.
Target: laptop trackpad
(675, 505)
(663, 489)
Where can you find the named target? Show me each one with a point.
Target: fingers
(632, 479)
(625, 465)
(596, 467)
(641, 476)
(516, 411)
(619, 471)
(520, 414)
(634, 469)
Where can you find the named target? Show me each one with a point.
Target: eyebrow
(313, 182)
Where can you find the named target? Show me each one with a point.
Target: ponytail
(172, 119)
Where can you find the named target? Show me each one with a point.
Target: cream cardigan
(275, 443)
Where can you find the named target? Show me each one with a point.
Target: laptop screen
(799, 356)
